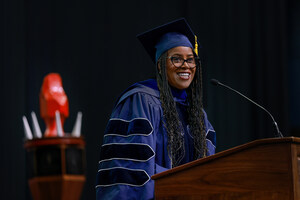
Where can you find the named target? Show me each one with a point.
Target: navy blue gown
(135, 143)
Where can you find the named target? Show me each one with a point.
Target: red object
(53, 98)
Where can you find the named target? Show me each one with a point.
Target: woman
(156, 124)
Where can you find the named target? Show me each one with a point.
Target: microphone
(216, 82)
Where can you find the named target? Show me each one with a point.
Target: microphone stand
(278, 133)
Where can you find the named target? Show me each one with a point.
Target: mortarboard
(162, 38)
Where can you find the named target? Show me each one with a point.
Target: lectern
(261, 170)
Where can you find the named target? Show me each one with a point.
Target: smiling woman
(156, 124)
(180, 67)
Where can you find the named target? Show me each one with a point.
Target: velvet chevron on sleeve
(135, 145)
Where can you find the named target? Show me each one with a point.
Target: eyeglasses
(179, 62)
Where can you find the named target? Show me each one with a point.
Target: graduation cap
(167, 36)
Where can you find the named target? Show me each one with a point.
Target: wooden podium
(262, 169)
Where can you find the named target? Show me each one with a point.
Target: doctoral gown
(135, 143)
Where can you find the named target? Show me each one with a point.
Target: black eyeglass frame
(184, 60)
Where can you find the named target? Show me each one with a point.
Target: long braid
(171, 118)
(196, 115)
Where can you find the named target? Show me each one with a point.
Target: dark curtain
(92, 44)
(245, 44)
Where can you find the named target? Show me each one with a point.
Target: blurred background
(251, 45)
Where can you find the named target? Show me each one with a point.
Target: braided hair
(171, 120)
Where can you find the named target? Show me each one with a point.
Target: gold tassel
(196, 46)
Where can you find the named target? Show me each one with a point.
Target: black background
(252, 45)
